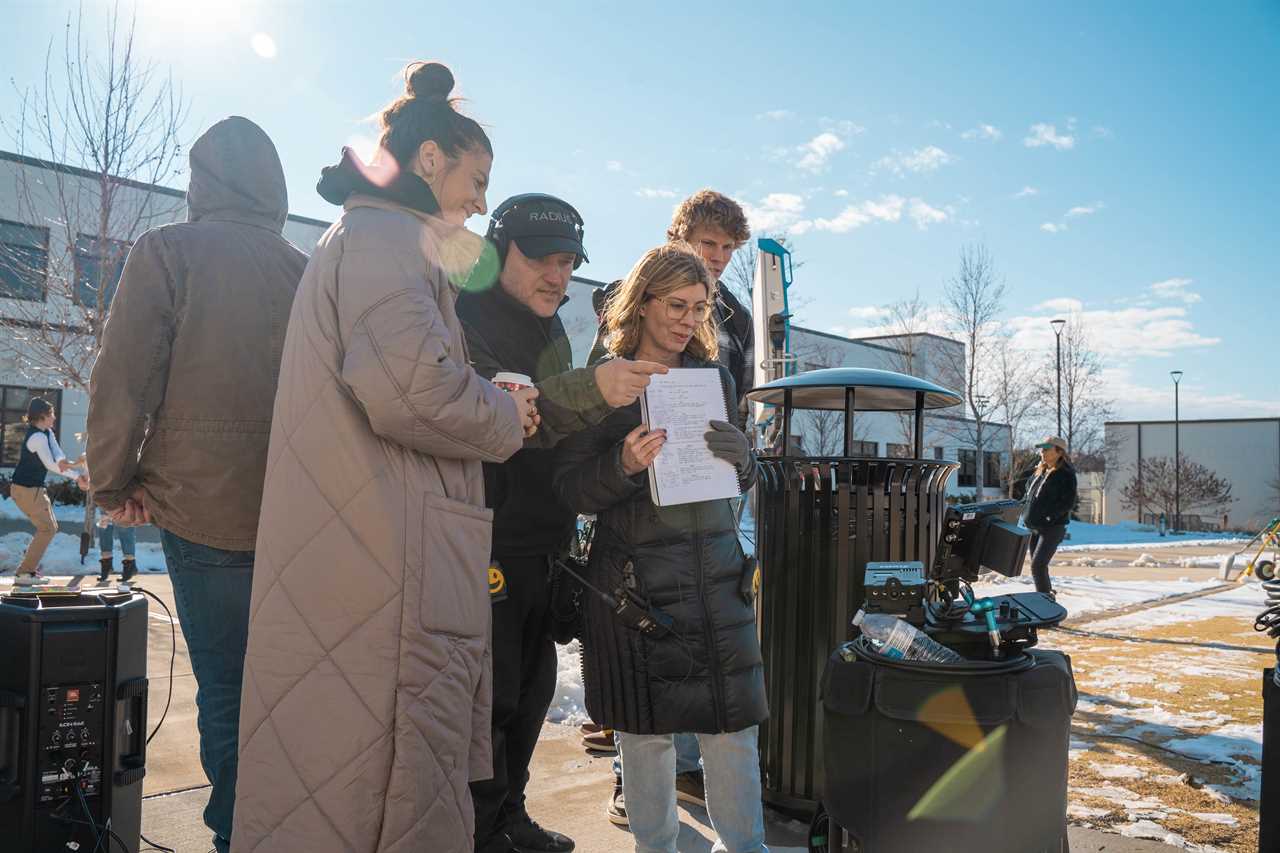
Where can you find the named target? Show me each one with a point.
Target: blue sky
(1118, 160)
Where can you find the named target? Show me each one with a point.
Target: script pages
(684, 402)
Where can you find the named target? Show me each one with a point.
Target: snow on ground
(62, 512)
(1092, 594)
(1243, 602)
(63, 556)
(1099, 537)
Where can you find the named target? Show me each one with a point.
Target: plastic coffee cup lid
(512, 379)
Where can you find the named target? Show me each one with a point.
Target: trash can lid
(877, 390)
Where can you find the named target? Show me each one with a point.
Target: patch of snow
(63, 556)
(1118, 771)
(1145, 559)
(568, 704)
(1242, 601)
(1215, 817)
(1096, 537)
(1152, 830)
(62, 512)
(1080, 812)
(1092, 594)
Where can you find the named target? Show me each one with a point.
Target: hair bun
(429, 80)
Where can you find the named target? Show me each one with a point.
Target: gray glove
(727, 442)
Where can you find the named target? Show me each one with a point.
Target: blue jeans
(128, 540)
(211, 589)
(688, 756)
(731, 771)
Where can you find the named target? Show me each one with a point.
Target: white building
(1243, 451)
(30, 227)
(33, 197)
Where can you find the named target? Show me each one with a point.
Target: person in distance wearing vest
(40, 457)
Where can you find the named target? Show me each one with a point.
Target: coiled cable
(1268, 621)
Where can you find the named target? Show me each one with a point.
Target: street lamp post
(1177, 454)
(1057, 333)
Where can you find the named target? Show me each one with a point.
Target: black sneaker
(527, 837)
(616, 811)
(691, 789)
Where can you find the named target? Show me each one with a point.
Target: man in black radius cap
(512, 326)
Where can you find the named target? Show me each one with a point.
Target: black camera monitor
(981, 537)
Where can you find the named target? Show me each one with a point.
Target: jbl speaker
(73, 719)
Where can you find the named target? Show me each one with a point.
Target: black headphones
(501, 241)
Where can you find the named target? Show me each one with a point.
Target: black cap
(540, 224)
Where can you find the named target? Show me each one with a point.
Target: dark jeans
(211, 588)
(1044, 542)
(524, 682)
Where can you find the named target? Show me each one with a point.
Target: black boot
(129, 568)
(108, 565)
(527, 837)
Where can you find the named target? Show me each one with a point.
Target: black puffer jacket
(706, 675)
(1051, 497)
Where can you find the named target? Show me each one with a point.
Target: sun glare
(263, 45)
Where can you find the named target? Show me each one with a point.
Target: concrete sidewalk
(567, 792)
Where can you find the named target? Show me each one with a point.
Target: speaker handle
(131, 766)
(11, 706)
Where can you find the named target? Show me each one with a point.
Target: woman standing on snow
(40, 457)
(367, 693)
(1050, 499)
(705, 675)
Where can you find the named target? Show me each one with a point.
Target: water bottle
(897, 638)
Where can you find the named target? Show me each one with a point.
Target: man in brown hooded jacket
(180, 406)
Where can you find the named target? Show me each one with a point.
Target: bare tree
(1017, 397)
(740, 275)
(1197, 488)
(972, 301)
(823, 429)
(907, 320)
(116, 120)
(1085, 407)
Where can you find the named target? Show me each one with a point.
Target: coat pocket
(456, 537)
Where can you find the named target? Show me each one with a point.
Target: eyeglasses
(678, 309)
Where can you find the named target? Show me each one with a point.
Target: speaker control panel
(71, 736)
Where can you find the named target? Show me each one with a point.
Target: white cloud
(613, 166)
(656, 192)
(869, 312)
(983, 131)
(1047, 134)
(1100, 132)
(776, 213)
(841, 193)
(775, 115)
(1175, 289)
(925, 215)
(843, 127)
(1121, 334)
(1086, 210)
(816, 153)
(1026, 191)
(1052, 227)
(927, 159)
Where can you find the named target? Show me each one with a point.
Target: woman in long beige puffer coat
(366, 692)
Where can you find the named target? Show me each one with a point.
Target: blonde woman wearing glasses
(705, 675)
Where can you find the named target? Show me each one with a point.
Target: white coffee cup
(512, 381)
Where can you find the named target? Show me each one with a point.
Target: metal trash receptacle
(820, 520)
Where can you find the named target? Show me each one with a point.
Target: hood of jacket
(236, 175)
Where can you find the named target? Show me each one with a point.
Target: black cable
(173, 654)
(862, 648)
(153, 846)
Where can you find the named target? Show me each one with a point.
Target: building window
(993, 469)
(98, 263)
(864, 448)
(939, 454)
(968, 469)
(898, 451)
(24, 261)
(13, 408)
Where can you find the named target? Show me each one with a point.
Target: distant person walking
(1050, 498)
(40, 457)
(180, 410)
